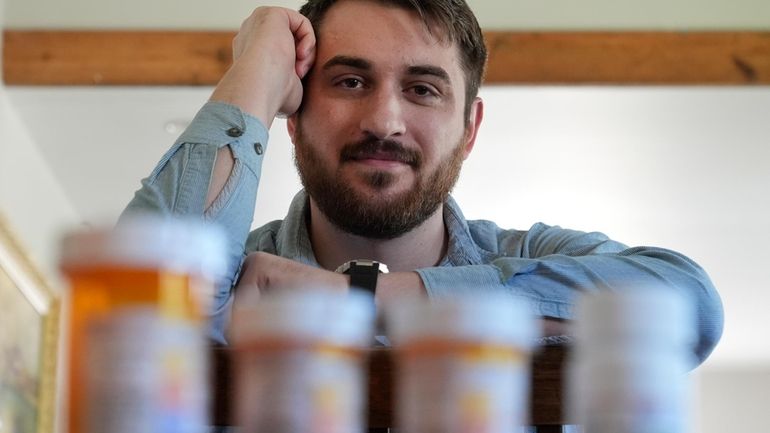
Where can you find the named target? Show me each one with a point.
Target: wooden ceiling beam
(178, 58)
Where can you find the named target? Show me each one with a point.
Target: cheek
(436, 138)
(316, 133)
(330, 121)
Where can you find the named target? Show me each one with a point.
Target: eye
(422, 90)
(351, 83)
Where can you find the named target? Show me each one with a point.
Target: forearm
(398, 285)
(552, 283)
(187, 182)
(259, 98)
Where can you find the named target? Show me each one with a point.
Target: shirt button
(234, 132)
(258, 148)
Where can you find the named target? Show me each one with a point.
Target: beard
(375, 214)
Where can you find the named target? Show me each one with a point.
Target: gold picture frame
(28, 341)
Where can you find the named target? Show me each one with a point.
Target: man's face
(381, 136)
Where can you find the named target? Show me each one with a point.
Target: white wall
(509, 14)
(32, 200)
(735, 399)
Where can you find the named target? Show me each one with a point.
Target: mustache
(374, 148)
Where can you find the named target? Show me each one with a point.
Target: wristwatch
(363, 273)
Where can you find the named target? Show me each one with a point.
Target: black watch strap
(363, 273)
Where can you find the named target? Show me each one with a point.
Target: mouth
(383, 158)
(385, 154)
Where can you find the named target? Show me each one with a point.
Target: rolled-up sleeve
(179, 185)
(549, 267)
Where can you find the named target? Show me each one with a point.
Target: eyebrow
(365, 65)
(435, 71)
(353, 62)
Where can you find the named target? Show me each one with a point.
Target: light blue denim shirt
(546, 265)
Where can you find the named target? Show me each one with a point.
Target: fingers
(293, 99)
(305, 62)
(304, 49)
(266, 273)
(305, 43)
(247, 294)
(247, 290)
(267, 89)
(257, 271)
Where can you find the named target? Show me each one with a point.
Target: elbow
(710, 317)
(693, 281)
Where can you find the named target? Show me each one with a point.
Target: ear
(472, 127)
(291, 127)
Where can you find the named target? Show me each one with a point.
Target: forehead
(387, 35)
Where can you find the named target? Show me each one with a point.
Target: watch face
(362, 266)
(365, 266)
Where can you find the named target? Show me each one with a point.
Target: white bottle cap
(149, 241)
(319, 315)
(646, 315)
(486, 319)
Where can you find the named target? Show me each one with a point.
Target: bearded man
(383, 108)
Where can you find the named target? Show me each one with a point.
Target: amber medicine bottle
(137, 359)
(300, 363)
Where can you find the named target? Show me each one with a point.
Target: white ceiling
(684, 168)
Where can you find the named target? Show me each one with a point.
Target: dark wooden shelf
(545, 400)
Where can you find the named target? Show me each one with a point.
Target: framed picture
(29, 316)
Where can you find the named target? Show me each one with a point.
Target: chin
(384, 195)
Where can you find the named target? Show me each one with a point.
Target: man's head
(452, 18)
(389, 112)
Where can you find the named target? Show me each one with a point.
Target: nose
(382, 114)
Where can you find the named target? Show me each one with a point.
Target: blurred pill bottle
(300, 361)
(462, 364)
(137, 353)
(628, 370)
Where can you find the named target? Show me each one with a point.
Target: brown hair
(453, 17)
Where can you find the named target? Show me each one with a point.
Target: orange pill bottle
(300, 363)
(136, 347)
